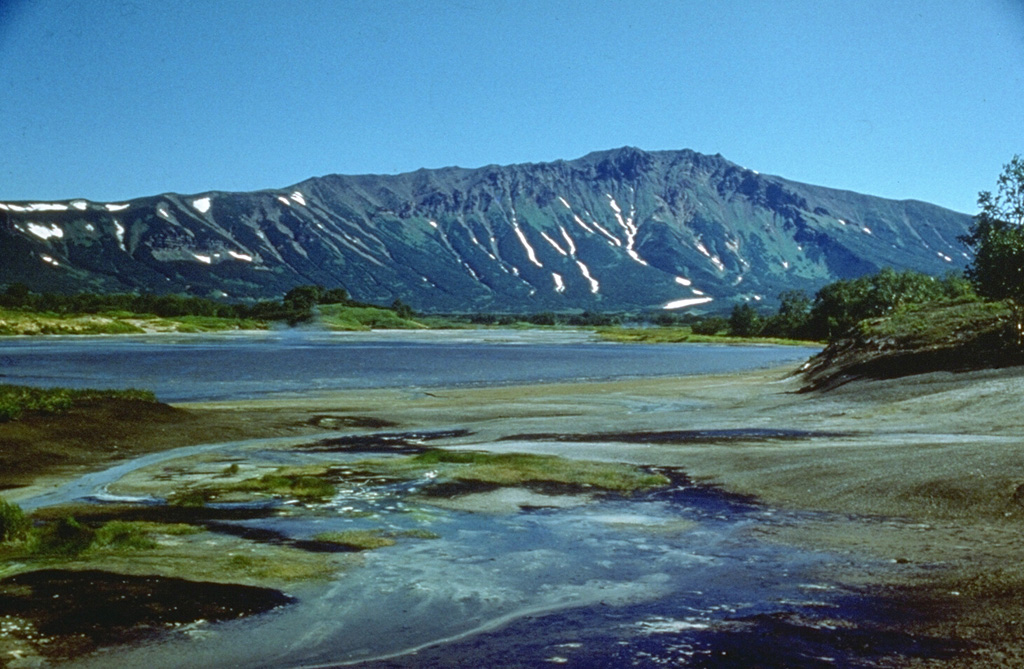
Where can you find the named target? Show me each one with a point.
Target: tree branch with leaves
(997, 237)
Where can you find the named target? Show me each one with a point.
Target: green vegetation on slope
(936, 324)
(921, 331)
(16, 400)
(918, 338)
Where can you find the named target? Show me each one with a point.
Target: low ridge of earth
(955, 336)
(614, 230)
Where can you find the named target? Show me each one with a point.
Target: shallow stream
(675, 576)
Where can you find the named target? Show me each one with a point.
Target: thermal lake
(492, 575)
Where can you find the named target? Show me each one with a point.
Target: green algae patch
(518, 469)
(371, 539)
(304, 486)
(418, 534)
(144, 547)
(310, 484)
(68, 538)
(273, 564)
(359, 540)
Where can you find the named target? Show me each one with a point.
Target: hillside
(614, 230)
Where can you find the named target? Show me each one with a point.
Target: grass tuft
(66, 538)
(123, 535)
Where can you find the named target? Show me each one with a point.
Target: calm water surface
(237, 366)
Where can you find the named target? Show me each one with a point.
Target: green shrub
(123, 535)
(16, 400)
(14, 526)
(190, 499)
(744, 321)
(66, 537)
(711, 325)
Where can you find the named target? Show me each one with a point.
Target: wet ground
(471, 572)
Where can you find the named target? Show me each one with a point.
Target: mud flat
(919, 481)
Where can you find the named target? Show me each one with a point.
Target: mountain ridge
(618, 229)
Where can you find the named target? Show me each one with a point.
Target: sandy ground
(925, 472)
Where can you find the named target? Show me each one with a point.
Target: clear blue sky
(110, 100)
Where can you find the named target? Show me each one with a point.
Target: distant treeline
(837, 308)
(295, 307)
(831, 313)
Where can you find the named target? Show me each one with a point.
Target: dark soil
(677, 436)
(383, 442)
(79, 611)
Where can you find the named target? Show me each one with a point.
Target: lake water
(297, 362)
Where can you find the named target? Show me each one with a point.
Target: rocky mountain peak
(620, 229)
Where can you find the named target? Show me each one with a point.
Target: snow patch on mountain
(45, 232)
